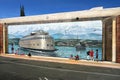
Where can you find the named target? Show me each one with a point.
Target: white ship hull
(42, 42)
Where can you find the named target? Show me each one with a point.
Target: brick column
(1, 38)
(103, 40)
(118, 39)
(108, 39)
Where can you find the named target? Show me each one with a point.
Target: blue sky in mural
(69, 30)
(11, 8)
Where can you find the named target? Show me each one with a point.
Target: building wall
(118, 40)
(1, 38)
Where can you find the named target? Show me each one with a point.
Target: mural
(57, 39)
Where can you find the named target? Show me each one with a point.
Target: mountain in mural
(92, 36)
(70, 30)
(10, 36)
(57, 35)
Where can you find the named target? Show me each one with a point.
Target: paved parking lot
(16, 67)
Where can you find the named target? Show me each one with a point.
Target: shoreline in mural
(63, 52)
(68, 38)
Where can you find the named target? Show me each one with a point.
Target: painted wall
(66, 36)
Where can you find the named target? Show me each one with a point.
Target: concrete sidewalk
(65, 60)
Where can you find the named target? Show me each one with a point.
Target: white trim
(114, 39)
(84, 15)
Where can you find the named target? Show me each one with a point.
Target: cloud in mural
(67, 30)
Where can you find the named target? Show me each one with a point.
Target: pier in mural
(56, 39)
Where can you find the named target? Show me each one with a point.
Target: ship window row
(39, 44)
(36, 44)
(49, 44)
(30, 44)
(37, 38)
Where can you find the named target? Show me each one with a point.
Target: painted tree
(22, 13)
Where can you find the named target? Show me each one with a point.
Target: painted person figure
(92, 55)
(88, 55)
(12, 48)
(96, 54)
(71, 56)
(29, 54)
(77, 57)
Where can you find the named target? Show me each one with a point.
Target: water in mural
(56, 39)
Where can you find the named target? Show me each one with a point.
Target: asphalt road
(20, 69)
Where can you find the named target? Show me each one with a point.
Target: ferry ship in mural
(39, 40)
(80, 46)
